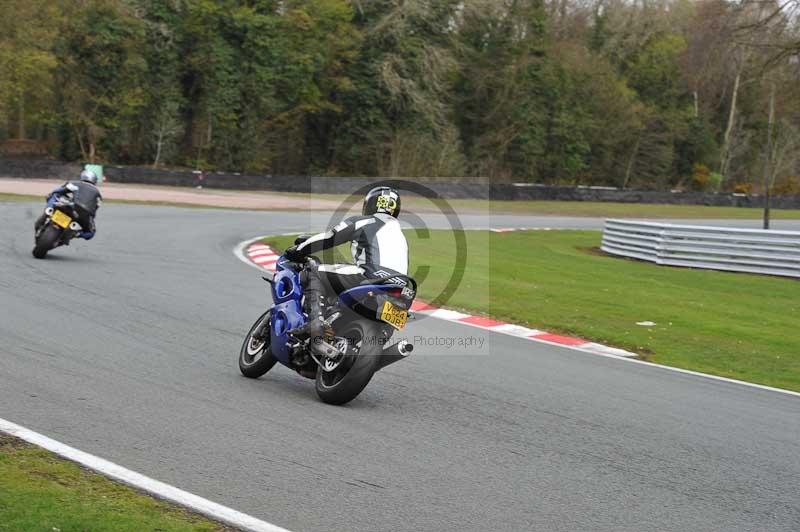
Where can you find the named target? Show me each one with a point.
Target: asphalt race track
(126, 346)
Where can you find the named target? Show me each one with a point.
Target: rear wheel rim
(355, 339)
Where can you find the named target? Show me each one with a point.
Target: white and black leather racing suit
(379, 250)
(378, 246)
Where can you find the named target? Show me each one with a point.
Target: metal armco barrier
(714, 248)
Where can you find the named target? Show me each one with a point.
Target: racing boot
(315, 328)
(312, 290)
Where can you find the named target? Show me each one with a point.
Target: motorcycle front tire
(255, 356)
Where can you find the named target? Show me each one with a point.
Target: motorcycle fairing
(287, 313)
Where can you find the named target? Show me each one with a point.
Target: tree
(101, 75)
(398, 116)
(323, 43)
(506, 88)
(26, 60)
(161, 124)
(262, 76)
(604, 92)
(654, 73)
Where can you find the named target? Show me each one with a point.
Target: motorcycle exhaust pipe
(393, 353)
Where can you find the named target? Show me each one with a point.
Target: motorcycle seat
(396, 279)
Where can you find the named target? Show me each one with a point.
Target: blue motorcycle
(359, 324)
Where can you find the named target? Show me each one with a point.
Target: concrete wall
(338, 185)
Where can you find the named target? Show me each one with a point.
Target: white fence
(715, 248)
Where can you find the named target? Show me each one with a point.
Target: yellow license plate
(61, 219)
(394, 315)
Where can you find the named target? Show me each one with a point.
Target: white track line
(161, 490)
(589, 348)
(689, 372)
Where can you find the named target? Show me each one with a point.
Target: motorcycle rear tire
(46, 241)
(360, 372)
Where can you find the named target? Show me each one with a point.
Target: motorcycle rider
(87, 198)
(378, 246)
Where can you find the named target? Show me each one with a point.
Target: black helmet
(382, 199)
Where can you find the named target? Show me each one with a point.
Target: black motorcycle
(59, 227)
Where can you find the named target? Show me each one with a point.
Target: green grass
(41, 492)
(612, 210)
(19, 197)
(734, 325)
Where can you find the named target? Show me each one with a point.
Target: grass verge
(19, 197)
(42, 492)
(733, 325)
(615, 210)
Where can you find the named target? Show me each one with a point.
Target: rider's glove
(294, 255)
